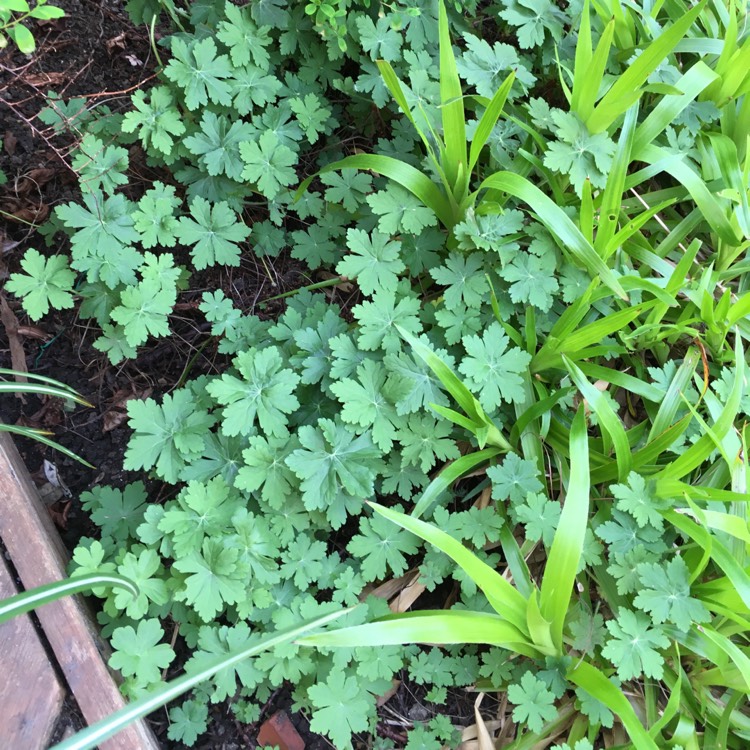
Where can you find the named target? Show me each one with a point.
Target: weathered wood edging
(38, 555)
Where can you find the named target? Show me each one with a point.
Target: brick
(279, 731)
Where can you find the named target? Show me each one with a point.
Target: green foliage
(12, 15)
(491, 370)
(116, 512)
(269, 163)
(577, 153)
(143, 310)
(139, 653)
(200, 72)
(213, 233)
(64, 115)
(634, 646)
(340, 708)
(157, 121)
(166, 435)
(264, 392)
(46, 282)
(381, 546)
(216, 578)
(535, 244)
(188, 722)
(534, 704)
(335, 471)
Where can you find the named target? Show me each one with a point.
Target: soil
(96, 53)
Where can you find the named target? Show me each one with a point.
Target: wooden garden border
(38, 555)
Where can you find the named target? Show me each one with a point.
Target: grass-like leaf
(627, 88)
(565, 555)
(404, 174)
(50, 592)
(441, 627)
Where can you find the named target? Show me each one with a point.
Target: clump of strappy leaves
(323, 408)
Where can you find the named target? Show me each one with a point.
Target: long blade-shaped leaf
(452, 108)
(50, 592)
(596, 684)
(632, 227)
(550, 355)
(712, 210)
(453, 384)
(43, 390)
(612, 197)
(489, 119)
(729, 164)
(664, 113)
(440, 627)
(738, 657)
(567, 546)
(582, 57)
(453, 471)
(672, 400)
(694, 456)
(42, 438)
(42, 379)
(588, 79)
(716, 549)
(607, 419)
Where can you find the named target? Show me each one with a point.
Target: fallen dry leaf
(115, 41)
(113, 419)
(388, 694)
(24, 213)
(6, 244)
(50, 414)
(45, 79)
(407, 596)
(33, 179)
(33, 332)
(484, 738)
(49, 494)
(9, 143)
(388, 589)
(59, 512)
(117, 412)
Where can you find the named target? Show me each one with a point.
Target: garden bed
(415, 336)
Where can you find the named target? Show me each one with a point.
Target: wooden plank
(30, 693)
(39, 557)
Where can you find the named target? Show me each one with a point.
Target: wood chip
(9, 143)
(17, 354)
(407, 596)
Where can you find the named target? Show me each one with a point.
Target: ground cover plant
(541, 379)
